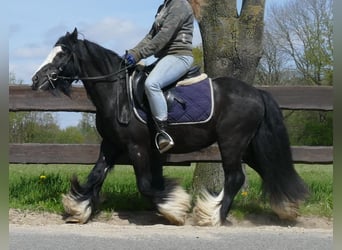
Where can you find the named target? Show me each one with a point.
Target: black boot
(163, 140)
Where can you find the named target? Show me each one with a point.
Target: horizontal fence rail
(22, 98)
(88, 153)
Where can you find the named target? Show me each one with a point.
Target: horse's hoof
(286, 210)
(72, 219)
(77, 211)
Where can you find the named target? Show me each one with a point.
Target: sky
(35, 26)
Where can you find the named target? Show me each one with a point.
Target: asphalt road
(99, 236)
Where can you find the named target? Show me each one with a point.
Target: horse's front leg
(82, 200)
(171, 200)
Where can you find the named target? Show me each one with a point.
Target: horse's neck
(98, 61)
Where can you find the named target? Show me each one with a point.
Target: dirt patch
(20, 217)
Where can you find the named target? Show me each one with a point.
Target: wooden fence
(22, 98)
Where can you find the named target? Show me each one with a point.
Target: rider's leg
(167, 70)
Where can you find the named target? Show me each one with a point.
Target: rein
(103, 77)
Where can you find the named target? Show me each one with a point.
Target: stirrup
(168, 137)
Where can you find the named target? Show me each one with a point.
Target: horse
(247, 125)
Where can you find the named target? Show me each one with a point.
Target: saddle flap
(124, 106)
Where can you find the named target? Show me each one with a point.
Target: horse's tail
(270, 155)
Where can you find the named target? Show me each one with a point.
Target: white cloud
(109, 28)
(113, 33)
(31, 52)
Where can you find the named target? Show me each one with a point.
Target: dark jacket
(171, 32)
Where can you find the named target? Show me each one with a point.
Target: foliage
(42, 127)
(69, 135)
(32, 127)
(87, 128)
(311, 128)
(198, 56)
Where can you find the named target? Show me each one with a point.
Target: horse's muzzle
(35, 82)
(41, 84)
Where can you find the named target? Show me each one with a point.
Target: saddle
(139, 76)
(189, 99)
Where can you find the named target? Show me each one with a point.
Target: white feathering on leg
(78, 211)
(207, 209)
(176, 206)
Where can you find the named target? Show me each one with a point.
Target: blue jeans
(168, 69)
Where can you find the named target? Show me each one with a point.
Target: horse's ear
(74, 34)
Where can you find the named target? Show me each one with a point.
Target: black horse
(246, 123)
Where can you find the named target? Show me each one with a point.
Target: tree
(13, 79)
(87, 128)
(302, 32)
(272, 69)
(232, 46)
(70, 135)
(232, 42)
(32, 127)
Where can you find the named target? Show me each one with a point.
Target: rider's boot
(163, 140)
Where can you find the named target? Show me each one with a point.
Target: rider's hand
(129, 59)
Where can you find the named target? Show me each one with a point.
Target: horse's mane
(99, 51)
(105, 60)
(88, 50)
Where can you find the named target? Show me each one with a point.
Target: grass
(39, 188)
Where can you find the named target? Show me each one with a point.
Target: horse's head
(60, 68)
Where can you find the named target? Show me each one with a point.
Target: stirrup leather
(168, 137)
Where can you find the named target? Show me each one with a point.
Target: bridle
(54, 76)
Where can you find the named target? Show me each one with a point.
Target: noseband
(51, 79)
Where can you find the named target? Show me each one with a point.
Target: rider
(170, 41)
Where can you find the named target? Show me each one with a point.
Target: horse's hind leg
(234, 179)
(212, 210)
(81, 201)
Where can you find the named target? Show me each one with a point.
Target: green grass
(319, 179)
(39, 188)
(320, 183)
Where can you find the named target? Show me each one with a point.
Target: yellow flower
(42, 177)
(244, 193)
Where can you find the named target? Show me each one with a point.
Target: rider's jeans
(168, 69)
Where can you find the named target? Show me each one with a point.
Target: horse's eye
(60, 68)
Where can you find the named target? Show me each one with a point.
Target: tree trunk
(232, 46)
